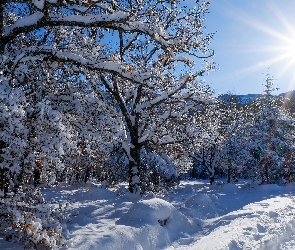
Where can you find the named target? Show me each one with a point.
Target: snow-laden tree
(205, 138)
(13, 135)
(24, 214)
(44, 138)
(126, 50)
(232, 150)
(81, 76)
(269, 133)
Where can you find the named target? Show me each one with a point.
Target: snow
(118, 16)
(166, 139)
(194, 215)
(126, 146)
(105, 65)
(165, 94)
(258, 225)
(23, 22)
(39, 4)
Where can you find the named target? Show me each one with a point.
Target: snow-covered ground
(194, 215)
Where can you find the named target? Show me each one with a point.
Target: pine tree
(269, 136)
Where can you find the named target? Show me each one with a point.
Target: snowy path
(268, 224)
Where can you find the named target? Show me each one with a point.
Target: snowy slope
(193, 216)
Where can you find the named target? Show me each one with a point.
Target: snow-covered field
(194, 215)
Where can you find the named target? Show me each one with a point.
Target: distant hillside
(289, 94)
(240, 99)
(289, 103)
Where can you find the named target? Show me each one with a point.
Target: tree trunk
(4, 181)
(228, 174)
(134, 170)
(37, 176)
(266, 174)
(212, 177)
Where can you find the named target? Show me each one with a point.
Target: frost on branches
(243, 141)
(78, 77)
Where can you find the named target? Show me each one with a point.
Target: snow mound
(154, 211)
(202, 205)
(39, 4)
(159, 213)
(157, 223)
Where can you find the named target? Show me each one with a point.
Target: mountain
(288, 104)
(240, 99)
(289, 94)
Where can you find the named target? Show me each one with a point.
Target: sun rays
(272, 43)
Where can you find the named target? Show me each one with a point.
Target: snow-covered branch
(100, 64)
(169, 92)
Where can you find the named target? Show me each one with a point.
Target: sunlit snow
(195, 215)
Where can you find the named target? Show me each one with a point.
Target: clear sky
(252, 37)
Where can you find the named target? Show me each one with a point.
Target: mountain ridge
(247, 98)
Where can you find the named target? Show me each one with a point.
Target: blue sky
(252, 37)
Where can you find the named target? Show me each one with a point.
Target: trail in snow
(268, 224)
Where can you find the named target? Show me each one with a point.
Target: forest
(109, 93)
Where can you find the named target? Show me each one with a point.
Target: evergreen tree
(269, 134)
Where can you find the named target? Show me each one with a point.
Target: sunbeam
(276, 47)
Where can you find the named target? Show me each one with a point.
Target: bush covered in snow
(26, 218)
(159, 171)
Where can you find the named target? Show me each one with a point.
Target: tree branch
(102, 64)
(170, 92)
